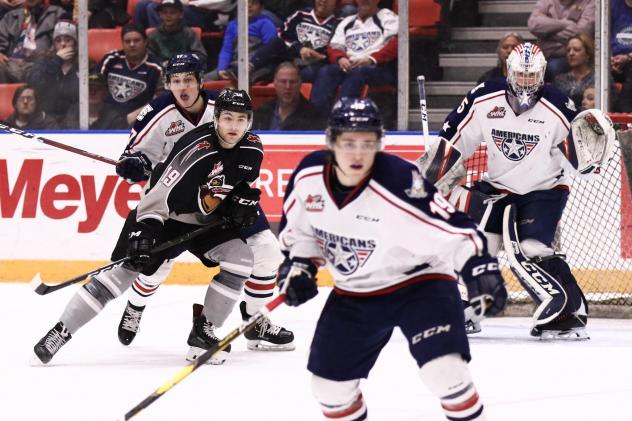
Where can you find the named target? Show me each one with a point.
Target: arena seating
(102, 41)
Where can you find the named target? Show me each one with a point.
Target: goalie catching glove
(485, 285)
(300, 274)
(591, 141)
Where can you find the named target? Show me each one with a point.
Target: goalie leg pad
(448, 378)
(543, 288)
(339, 400)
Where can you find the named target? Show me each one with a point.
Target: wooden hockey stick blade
(42, 289)
(191, 367)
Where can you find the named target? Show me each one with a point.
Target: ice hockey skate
(266, 336)
(202, 337)
(128, 327)
(48, 346)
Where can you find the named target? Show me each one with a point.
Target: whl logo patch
(314, 203)
(174, 128)
(497, 112)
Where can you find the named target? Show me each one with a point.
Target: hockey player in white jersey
(536, 141)
(393, 245)
(157, 129)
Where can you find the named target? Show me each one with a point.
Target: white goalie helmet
(525, 76)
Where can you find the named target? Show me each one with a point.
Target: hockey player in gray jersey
(536, 140)
(158, 128)
(394, 246)
(205, 177)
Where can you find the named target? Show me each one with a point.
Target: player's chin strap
(543, 288)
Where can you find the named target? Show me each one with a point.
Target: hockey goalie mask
(525, 76)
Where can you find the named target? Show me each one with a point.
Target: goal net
(595, 233)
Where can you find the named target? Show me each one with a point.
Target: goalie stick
(220, 346)
(42, 289)
(59, 145)
(423, 109)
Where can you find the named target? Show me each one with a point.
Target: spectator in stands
(6, 5)
(25, 32)
(133, 78)
(27, 114)
(362, 52)
(304, 40)
(588, 100)
(623, 103)
(289, 110)
(580, 53)
(172, 36)
(261, 31)
(554, 22)
(209, 15)
(105, 13)
(279, 10)
(55, 77)
(347, 8)
(620, 37)
(505, 45)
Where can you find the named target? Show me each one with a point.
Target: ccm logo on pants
(431, 332)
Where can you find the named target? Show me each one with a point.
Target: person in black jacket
(55, 77)
(289, 110)
(27, 114)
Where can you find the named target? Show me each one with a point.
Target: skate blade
(218, 359)
(258, 345)
(575, 334)
(472, 328)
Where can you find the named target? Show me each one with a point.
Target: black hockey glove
(485, 285)
(301, 275)
(140, 240)
(134, 167)
(240, 208)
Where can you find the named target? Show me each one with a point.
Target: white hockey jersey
(526, 152)
(162, 123)
(392, 230)
(359, 38)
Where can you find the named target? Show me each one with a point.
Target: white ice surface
(95, 378)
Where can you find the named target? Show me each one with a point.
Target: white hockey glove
(594, 138)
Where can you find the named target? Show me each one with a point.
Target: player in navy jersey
(536, 141)
(158, 128)
(394, 246)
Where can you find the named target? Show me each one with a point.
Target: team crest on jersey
(123, 88)
(198, 146)
(217, 169)
(314, 203)
(497, 112)
(174, 128)
(362, 41)
(213, 192)
(513, 145)
(346, 254)
(312, 36)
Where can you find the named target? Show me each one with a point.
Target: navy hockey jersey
(304, 29)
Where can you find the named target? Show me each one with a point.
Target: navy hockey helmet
(354, 115)
(185, 63)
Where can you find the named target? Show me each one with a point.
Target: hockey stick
(423, 109)
(203, 358)
(59, 145)
(42, 289)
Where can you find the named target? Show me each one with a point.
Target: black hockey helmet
(230, 99)
(354, 115)
(185, 63)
